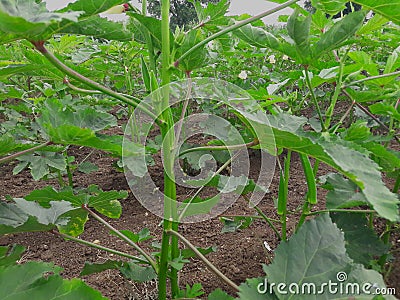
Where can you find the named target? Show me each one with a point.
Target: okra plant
(322, 64)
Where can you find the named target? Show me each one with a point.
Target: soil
(239, 255)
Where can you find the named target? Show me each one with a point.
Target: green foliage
(317, 239)
(389, 10)
(342, 192)
(28, 20)
(304, 52)
(362, 243)
(191, 291)
(38, 280)
(40, 163)
(237, 223)
(47, 209)
(311, 65)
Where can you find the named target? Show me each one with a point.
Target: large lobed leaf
(313, 257)
(286, 131)
(26, 216)
(300, 49)
(390, 9)
(46, 209)
(299, 30)
(339, 33)
(105, 203)
(25, 19)
(347, 157)
(32, 281)
(362, 243)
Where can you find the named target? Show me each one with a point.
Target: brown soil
(240, 255)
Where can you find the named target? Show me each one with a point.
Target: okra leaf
(338, 33)
(28, 19)
(343, 193)
(388, 9)
(39, 280)
(362, 243)
(316, 255)
(299, 30)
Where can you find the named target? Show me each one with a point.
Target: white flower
(271, 59)
(285, 57)
(243, 75)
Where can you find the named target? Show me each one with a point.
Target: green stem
(144, 7)
(123, 237)
(254, 217)
(314, 98)
(85, 91)
(204, 259)
(184, 109)
(376, 119)
(67, 70)
(338, 88)
(149, 42)
(392, 132)
(304, 214)
(286, 192)
(232, 28)
(69, 173)
(202, 187)
(316, 166)
(170, 205)
(348, 111)
(396, 184)
(220, 148)
(371, 78)
(80, 90)
(97, 246)
(18, 154)
(61, 182)
(386, 239)
(371, 221)
(363, 211)
(264, 216)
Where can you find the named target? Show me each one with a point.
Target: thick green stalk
(232, 28)
(170, 209)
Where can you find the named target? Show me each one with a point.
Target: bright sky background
(238, 7)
